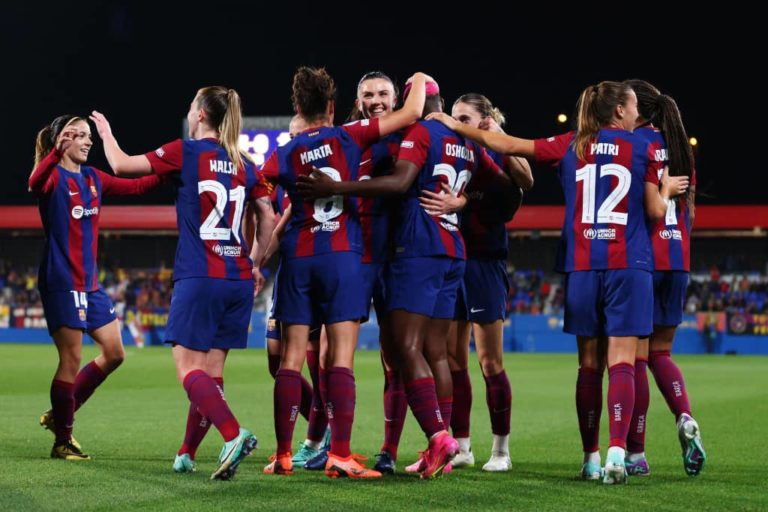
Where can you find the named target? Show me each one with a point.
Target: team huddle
(402, 209)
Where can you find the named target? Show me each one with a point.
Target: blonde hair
(483, 105)
(595, 109)
(224, 112)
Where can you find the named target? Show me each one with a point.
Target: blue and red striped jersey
(377, 160)
(670, 236)
(279, 198)
(604, 226)
(209, 207)
(482, 224)
(329, 224)
(443, 156)
(70, 205)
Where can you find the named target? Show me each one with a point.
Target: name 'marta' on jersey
(70, 205)
(670, 236)
(328, 224)
(377, 160)
(443, 156)
(209, 208)
(604, 226)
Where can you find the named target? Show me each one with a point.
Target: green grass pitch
(135, 422)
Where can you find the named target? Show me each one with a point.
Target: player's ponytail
(46, 138)
(681, 161)
(662, 111)
(498, 116)
(595, 109)
(224, 113)
(230, 128)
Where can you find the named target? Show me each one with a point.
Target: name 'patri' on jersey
(670, 236)
(604, 227)
(211, 198)
(329, 224)
(443, 156)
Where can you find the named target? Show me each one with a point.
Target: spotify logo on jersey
(78, 212)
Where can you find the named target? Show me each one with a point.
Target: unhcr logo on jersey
(227, 250)
(671, 234)
(600, 233)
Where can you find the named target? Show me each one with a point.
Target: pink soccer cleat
(438, 456)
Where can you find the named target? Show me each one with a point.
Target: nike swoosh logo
(111, 310)
(73, 193)
(473, 310)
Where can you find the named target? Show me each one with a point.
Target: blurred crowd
(531, 291)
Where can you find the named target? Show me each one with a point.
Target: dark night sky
(141, 63)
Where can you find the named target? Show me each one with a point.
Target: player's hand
(258, 281)
(445, 119)
(673, 186)
(65, 140)
(316, 185)
(415, 75)
(427, 78)
(441, 203)
(102, 125)
(490, 125)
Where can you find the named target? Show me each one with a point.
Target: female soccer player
(70, 195)
(213, 273)
(377, 97)
(312, 408)
(320, 265)
(492, 201)
(426, 270)
(660, 123)
(610, 183)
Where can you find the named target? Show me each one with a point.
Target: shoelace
(275, 456)
(358, 458)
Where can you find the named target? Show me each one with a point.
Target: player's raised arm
(122, 163)
(46, 158)
(413, 107)
(498, 142)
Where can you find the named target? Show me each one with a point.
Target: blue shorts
(209, 313)
(669, 289)
(374, 288)
(609, 303)
(424, 285)
(486, 286)
(275, 331)
(86, 311)
(322, 289)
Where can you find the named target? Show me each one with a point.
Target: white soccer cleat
(689, 434)
(497, 463)
(615, 471)
(464, 459)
